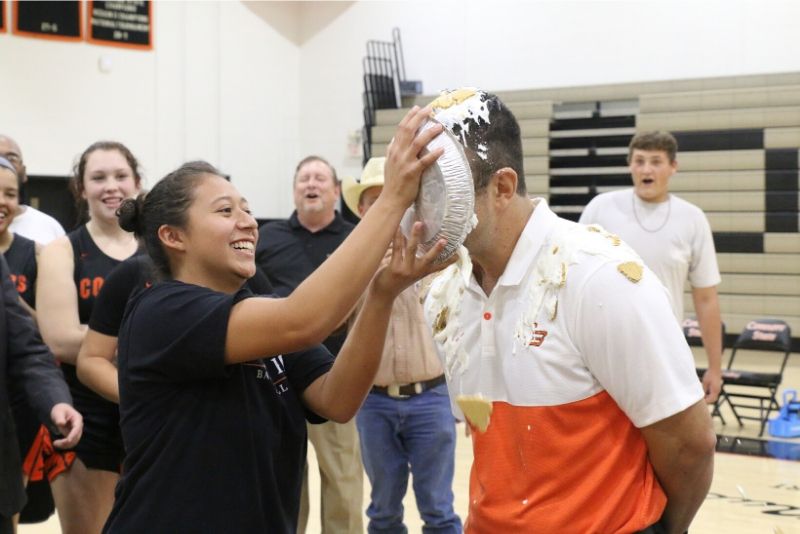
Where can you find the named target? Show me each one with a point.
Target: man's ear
(504, 184)
(171, 237)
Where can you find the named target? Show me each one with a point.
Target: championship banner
(128, 24)
(47, 20)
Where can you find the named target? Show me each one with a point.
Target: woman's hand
(402, 268)
(404, 166)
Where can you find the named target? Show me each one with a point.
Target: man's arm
(30, 363)
(634, 347)
(706, 306)
(681, 449)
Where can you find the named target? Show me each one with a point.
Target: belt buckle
(393, 390)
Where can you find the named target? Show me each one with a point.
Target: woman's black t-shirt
(127, 278)
(134, 275)
(210, 447)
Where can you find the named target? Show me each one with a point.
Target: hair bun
(130, 214)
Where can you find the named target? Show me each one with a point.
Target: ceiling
(298, 21)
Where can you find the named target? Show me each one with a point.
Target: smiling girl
(215, 383)
(72, 270)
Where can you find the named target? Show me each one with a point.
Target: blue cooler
(787, 424)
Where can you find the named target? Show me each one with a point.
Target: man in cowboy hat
(405, 425)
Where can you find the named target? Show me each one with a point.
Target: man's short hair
(309, 159)
(657, 140)
(491, 145)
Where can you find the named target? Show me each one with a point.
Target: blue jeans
(416, 435)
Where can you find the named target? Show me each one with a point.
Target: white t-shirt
(673, 238)
(573, 354)
(36, 225)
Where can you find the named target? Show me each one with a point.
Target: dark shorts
(100, 446)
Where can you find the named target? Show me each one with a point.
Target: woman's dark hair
(167, 203)
(76, 186)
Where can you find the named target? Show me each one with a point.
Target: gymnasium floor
(750, 494)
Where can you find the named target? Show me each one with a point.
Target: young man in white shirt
(672, 236)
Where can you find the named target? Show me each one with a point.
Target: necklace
(635, 216)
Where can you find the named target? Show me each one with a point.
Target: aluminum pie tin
(446, 199)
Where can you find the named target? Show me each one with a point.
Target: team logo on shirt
(21, 282)
(274, 370)
(537, 336)
(90, 287)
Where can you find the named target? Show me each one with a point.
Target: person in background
(561, 350)
(27, 365)
(28, 222)
(405, 425)
(40, 459)
(20, 252)
(72, 270)
(672, 236)
(288, 252)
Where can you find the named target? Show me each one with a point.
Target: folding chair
(691, 330)
(770, 335)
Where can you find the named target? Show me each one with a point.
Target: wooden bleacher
(739, 146)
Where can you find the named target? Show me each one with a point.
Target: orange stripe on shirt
(577, 467)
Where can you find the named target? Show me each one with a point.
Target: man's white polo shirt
(575, 348)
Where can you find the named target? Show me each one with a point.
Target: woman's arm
(96, 367)
(263, 327)
(338, 394)
(57, 301)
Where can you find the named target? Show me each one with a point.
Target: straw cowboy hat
(371, 176)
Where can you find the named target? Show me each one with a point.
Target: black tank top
(21, 259)
(92, 265)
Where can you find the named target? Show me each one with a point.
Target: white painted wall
(501, 45)
(224, 85)
(220, 84)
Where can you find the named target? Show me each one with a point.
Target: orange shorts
(44, 460)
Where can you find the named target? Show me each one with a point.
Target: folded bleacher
(739, 146)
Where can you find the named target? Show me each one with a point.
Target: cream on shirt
(673, 238)
(599, 331)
